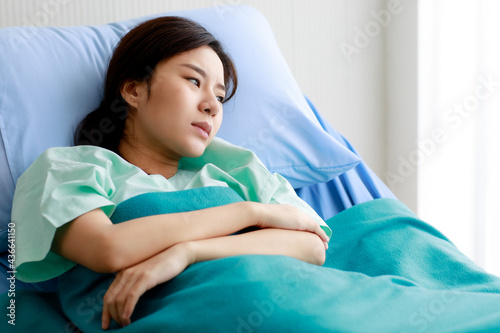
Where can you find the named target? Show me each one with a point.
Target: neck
(150, 161)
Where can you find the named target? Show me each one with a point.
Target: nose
(210, 104)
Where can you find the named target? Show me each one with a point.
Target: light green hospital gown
(64, 183)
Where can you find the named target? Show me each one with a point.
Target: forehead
(203, 57)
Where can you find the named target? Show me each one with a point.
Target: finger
(105, 318)
(326, 245)
(109, 309)
(133, 297)
(313, 226)
(127, 283)
(112, 298)
(316, 228)
(322, 234)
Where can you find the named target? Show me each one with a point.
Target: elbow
(319, 252)
(108, 257)
(316, 253)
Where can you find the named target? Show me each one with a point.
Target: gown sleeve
(62, 184)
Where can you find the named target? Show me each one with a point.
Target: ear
(133, 92)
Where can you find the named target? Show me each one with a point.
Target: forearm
(162, 231)
(93, 241)
(129, 284)
(302, 245)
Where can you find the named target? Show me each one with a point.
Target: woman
(164, 90)
(387, 271)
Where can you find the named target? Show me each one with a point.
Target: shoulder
(69, 156)
(77, 153)
(61, 161)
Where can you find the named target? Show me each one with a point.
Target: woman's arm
(92, 240)
(304, 246)
(131, 283)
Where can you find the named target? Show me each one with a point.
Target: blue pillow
(52, 76)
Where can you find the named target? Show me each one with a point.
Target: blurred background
(413, 85)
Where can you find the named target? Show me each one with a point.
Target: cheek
(155, 116)
(217, 122)
(160, 105)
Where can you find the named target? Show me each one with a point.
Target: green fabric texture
(386, 271)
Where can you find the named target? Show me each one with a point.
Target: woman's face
(184, 109)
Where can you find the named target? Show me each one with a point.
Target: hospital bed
(52, 76)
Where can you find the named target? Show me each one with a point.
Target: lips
(205, 126)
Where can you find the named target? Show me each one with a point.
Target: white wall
(341, 52)
(401, 67)
(459, 92)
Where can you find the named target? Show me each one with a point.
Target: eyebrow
(202, 73)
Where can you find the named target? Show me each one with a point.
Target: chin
(193, 155)
(195, 151)
(194, 147)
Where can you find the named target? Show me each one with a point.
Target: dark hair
(135, 57)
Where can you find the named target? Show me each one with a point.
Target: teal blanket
(386, 271)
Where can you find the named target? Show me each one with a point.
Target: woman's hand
(288, 217)
(131, 283)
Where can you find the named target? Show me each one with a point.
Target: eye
(194, 81)
(220, 99)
